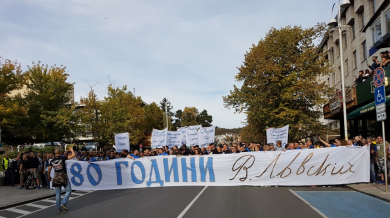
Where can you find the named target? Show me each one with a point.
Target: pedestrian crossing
(29, 208)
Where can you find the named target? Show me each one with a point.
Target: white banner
(326, 166)
(277, 134)
(183, 135)
(159, 138)
(206, 135)
(174, 138)
(122, 142)
(192, 135)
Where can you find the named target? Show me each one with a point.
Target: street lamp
(332, 23)
(167, 105)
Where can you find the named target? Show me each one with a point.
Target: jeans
(372, 171)
(68, 189)
(47, 179)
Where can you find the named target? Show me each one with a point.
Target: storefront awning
(365, 109)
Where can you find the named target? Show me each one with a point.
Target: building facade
(366, 28)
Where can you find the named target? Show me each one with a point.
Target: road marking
(322, 191)
(75, 193)
(36, 205)
(50, 201)
(191, 203)
(24, 212)
(315, 209)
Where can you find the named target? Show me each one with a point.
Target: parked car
(92, 146)
(56, 144)
(39, 145)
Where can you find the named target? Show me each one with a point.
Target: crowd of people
(363, 75)
(37, 165)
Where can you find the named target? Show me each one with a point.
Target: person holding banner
(61, 177)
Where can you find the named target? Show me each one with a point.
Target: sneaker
(20, 187)
(59, 211)
(39, 187)
(381, 182)
(63, 207)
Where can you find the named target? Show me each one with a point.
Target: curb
(372, 195)
(2, 207)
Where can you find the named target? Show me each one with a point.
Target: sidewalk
(377, 191)
(11, 196)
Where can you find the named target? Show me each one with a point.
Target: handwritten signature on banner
(245, 162)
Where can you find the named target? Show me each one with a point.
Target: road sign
(381, 116)
(380, 108)
(379, 77)
(380, 95)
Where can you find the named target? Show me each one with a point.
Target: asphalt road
(167, 202)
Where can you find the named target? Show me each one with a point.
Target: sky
(187, 51)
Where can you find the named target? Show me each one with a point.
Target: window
(354, 60)
(331, 55)
(374, 5)
(353, 30)
(387, 17)
(362, 19)
(346, 68)
(376, 31)
(334, 79)
(344, 34)
(364, 50)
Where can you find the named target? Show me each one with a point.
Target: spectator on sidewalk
(34, 164)
(24, 167)
(46, 164)
(4, 164)
(381, 161)
(11, 171)
(373, 159)
(39, 169)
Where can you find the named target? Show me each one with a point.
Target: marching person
(61, 177)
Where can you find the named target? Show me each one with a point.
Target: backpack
(28, 182)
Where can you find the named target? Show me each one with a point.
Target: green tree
(12, 109)
(205, 119)
(91, 119)
(177, 123)
(280, 83)
(123, 112)
(189, 116)
(50, 115)
(153, 117)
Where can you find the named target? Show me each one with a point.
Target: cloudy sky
(185, 50)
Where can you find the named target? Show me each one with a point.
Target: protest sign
(159, 138)
(206, 135)
(192, 135)
(122, 142)
(174, 139)
(183, 135)
(328, 166)
(277, 134)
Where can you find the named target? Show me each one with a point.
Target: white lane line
(50, 201)
(191, 203)
(24, 212)
(315, 209)
(37, 205)
(75, 193)
(323, 191)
